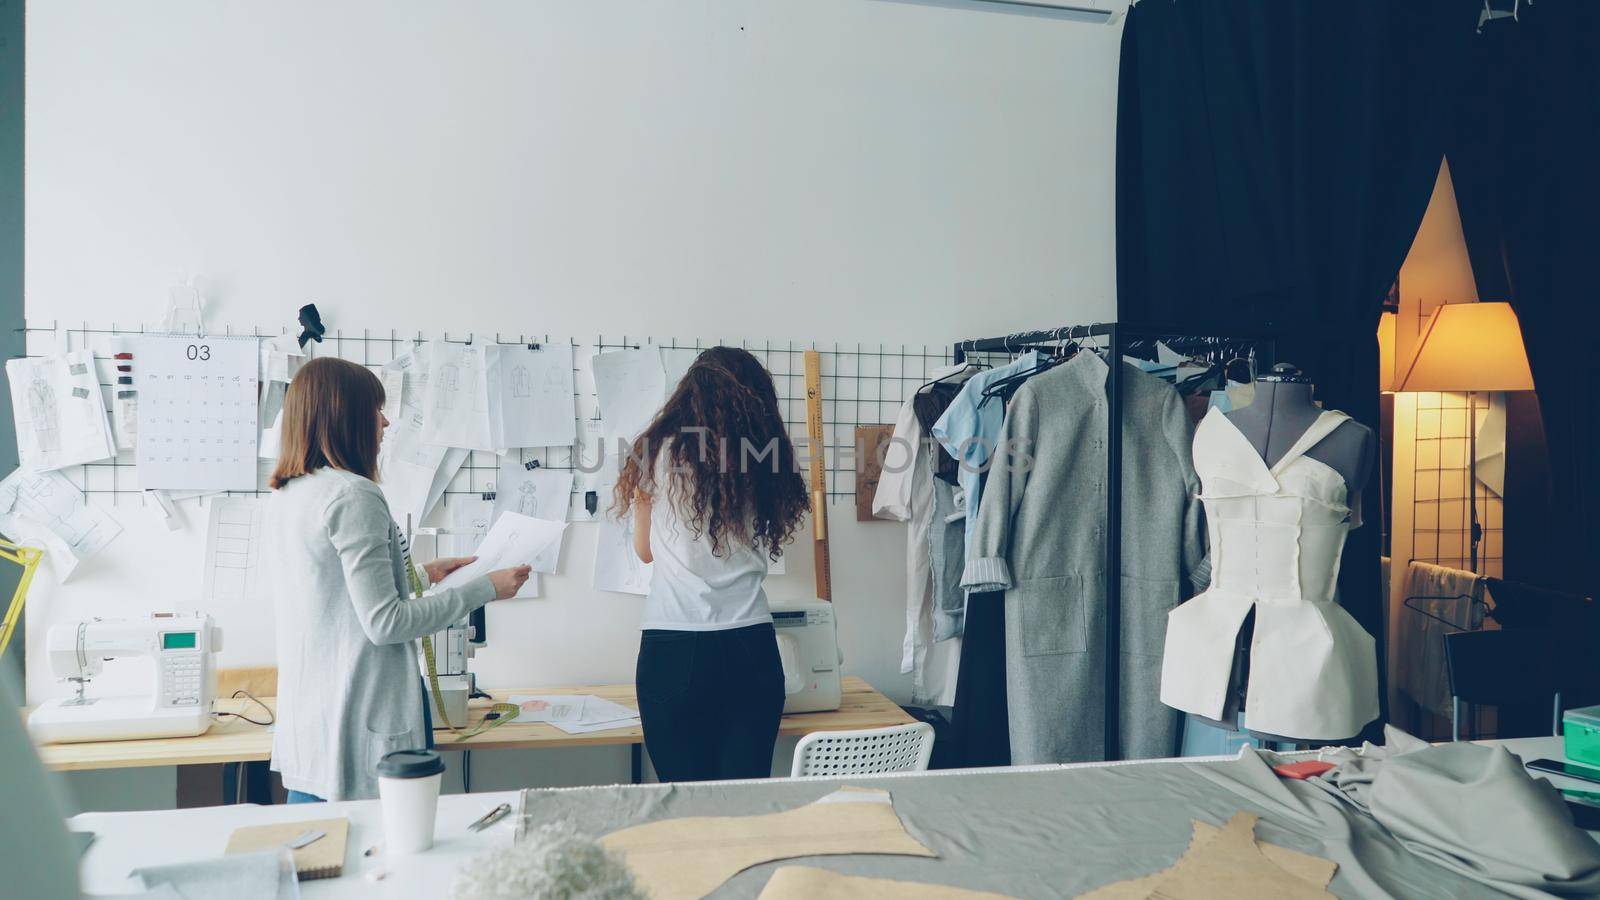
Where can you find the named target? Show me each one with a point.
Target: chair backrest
(900, 748)
(1511, 665)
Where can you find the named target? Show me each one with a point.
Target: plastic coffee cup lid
(410, 764)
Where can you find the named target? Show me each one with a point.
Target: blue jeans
(302, 797)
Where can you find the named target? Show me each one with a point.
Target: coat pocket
(1050, 615)
(1145, 605)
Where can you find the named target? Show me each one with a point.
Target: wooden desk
(234, 740)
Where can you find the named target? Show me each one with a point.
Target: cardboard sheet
(807, 883)
(680, 859)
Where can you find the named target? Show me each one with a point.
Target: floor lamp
(1470, 347)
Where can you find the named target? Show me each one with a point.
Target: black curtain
(1525, 160)
(1274, 160)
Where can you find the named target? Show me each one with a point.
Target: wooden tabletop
(234, 740)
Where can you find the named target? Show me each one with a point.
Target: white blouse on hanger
(1276, 537)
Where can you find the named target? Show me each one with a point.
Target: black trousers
(710, 702)
(981, 720)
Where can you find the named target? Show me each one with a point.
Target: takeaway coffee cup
(408, 788)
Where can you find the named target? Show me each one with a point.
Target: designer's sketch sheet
(45, 509)
(457, 407)
(513, 540)
(197, 412)
(233, 549)
(531, 396)
(60, 411)
(540, 493)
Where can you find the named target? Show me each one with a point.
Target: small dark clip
(311, 321)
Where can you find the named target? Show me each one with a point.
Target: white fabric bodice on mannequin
(1276, 537)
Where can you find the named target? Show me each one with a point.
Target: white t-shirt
(692, 589)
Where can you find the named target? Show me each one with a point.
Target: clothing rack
(1121, 338)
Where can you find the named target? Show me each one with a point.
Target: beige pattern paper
(681, 859)
(806, 883)
(1228, 864)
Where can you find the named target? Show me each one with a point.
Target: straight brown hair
(330, 418)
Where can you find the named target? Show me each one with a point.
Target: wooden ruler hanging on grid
(819, 475)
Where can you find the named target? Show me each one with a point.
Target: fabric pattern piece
(1228, 863)
(689, 858)
(806, 883)
(1277, 534)
(1041, 537)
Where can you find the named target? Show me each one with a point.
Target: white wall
(831, 170)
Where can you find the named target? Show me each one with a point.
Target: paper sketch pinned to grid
(539, 492)
(60, 411)
(47, 510)
(457, 404)
(531, 396)
(233, 549)
(617, 566)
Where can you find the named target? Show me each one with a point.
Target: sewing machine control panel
(182, 669)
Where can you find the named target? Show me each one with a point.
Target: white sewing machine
(808, 645)
(183, 649)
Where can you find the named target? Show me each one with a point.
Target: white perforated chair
(902, 748)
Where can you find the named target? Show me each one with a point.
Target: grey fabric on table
(1050, 833)
(246, 876)
(1471, 809)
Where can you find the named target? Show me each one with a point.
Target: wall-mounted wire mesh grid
(861, 384)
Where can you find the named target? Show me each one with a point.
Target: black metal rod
(1113, 549)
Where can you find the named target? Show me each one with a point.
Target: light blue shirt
(970, 427)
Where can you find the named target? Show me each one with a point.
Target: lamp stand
(1475, 533)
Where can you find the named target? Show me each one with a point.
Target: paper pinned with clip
(60, 411)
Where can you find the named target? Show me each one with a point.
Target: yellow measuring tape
(504, 712)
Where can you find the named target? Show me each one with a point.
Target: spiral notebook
(323, 858)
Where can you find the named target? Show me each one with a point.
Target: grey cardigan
(347, 671)
(1040, 537)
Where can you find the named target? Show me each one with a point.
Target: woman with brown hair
(714, 492)
(347, 674)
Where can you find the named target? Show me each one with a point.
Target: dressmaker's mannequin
(1281, 412)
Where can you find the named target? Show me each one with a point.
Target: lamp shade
(1469, 347)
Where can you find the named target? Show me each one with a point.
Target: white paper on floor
(531, 396)
(47, 510)
(60, 411)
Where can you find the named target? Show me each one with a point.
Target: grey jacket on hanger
(1040, 537)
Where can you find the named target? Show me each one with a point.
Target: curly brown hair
(730, 462)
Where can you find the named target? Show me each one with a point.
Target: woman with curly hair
(715, 493)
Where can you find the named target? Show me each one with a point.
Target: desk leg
(636, 752)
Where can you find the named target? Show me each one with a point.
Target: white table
(130, 839)
(127, 840)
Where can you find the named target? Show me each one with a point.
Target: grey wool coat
(1039, 537)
